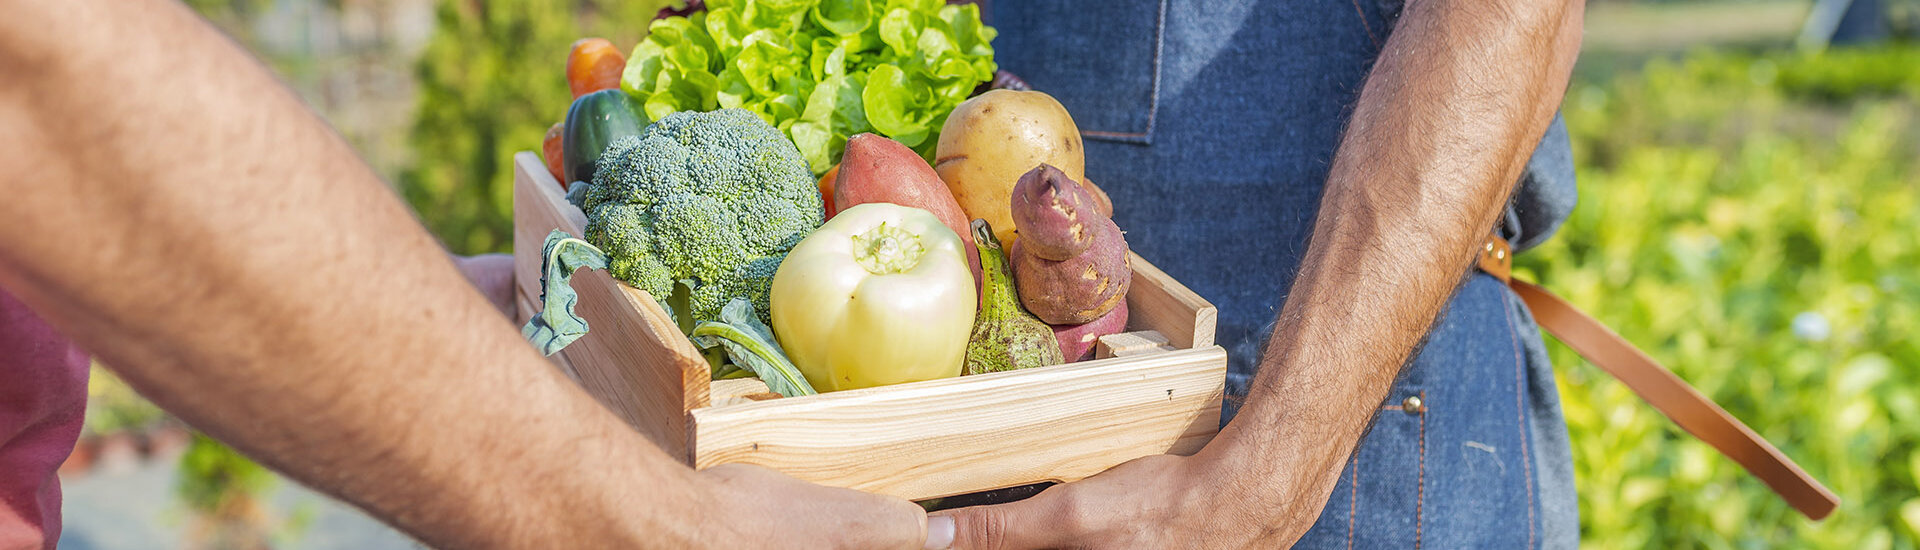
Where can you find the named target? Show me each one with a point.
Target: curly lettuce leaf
(892, 67)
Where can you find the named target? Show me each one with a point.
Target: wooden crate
(1161, 394)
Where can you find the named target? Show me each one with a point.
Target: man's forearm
(1445, 124)
(184, 217)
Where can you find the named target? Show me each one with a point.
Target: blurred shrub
(492, 79)
(1749, 219)
(113, 406)
(225, 496)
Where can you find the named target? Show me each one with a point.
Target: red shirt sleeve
(43, 400)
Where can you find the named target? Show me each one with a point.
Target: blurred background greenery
(1747, 215)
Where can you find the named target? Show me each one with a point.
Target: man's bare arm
(1446, 122)
(1443, 129)
(178, 212)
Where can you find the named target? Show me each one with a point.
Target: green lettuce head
(818, 70)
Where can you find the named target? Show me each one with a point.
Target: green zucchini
(595, 120)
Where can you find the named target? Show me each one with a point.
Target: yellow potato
(992, 139)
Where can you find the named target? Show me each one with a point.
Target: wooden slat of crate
(972, 433)
(634, 360)
(1157, 302)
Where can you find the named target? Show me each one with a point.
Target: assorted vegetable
(710, 202)
(819, 70)
(1005, 337)
(550, 152)
(990, 140)
(594, 65)
(762, 168)
(751, 346)
(826, 189)
(714, 200)
(880, 170)
(1070, 261)
(878, 295)
(593, 122)
(1078, 342)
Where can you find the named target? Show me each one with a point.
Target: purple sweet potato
(1079, 289)
(1077, 342)
(1071, 260)
(1055, 216)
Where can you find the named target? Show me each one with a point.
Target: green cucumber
(595, 120)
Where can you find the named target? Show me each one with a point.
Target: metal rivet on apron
(1413, 405)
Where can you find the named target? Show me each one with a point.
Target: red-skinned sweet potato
(1070, 261)
(1077, 342)
(877, 169)
(1055, 216)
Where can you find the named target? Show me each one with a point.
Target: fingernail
(939, 532)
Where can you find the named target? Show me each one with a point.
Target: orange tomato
(594, 65)
(550, 149)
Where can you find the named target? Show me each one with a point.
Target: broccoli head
(713, 200)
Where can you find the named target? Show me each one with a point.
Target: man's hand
(492, 275)
(1459, 96)
(763, 509)
(1160, 501)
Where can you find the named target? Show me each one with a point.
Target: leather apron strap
(1659, 387)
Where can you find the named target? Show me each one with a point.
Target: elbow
(1552, 27)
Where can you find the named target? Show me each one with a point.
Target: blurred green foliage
(225, 496)
(492, 79)
(1749, 219)
(113, 406)
(211, 474)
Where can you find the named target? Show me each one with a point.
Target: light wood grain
(539, 207)
(739, 390)
(1128, 344)
(959, 435)
(634, 359)
(1157, 302)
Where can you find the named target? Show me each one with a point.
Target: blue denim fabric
(1212, 124)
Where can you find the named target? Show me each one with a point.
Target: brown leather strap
(1666, 392)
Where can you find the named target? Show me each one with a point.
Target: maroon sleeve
(43, 400)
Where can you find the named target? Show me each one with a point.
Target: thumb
(1031, 523)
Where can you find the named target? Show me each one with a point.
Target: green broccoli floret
(714, 200)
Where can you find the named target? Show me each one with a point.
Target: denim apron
(1212, 124)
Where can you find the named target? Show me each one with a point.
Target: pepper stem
(886, 250)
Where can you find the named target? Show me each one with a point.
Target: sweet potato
(1079, 289)
(877, 169)
(1077, 342)
(1099, 196)
(1054, 215)
(1070, 261)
